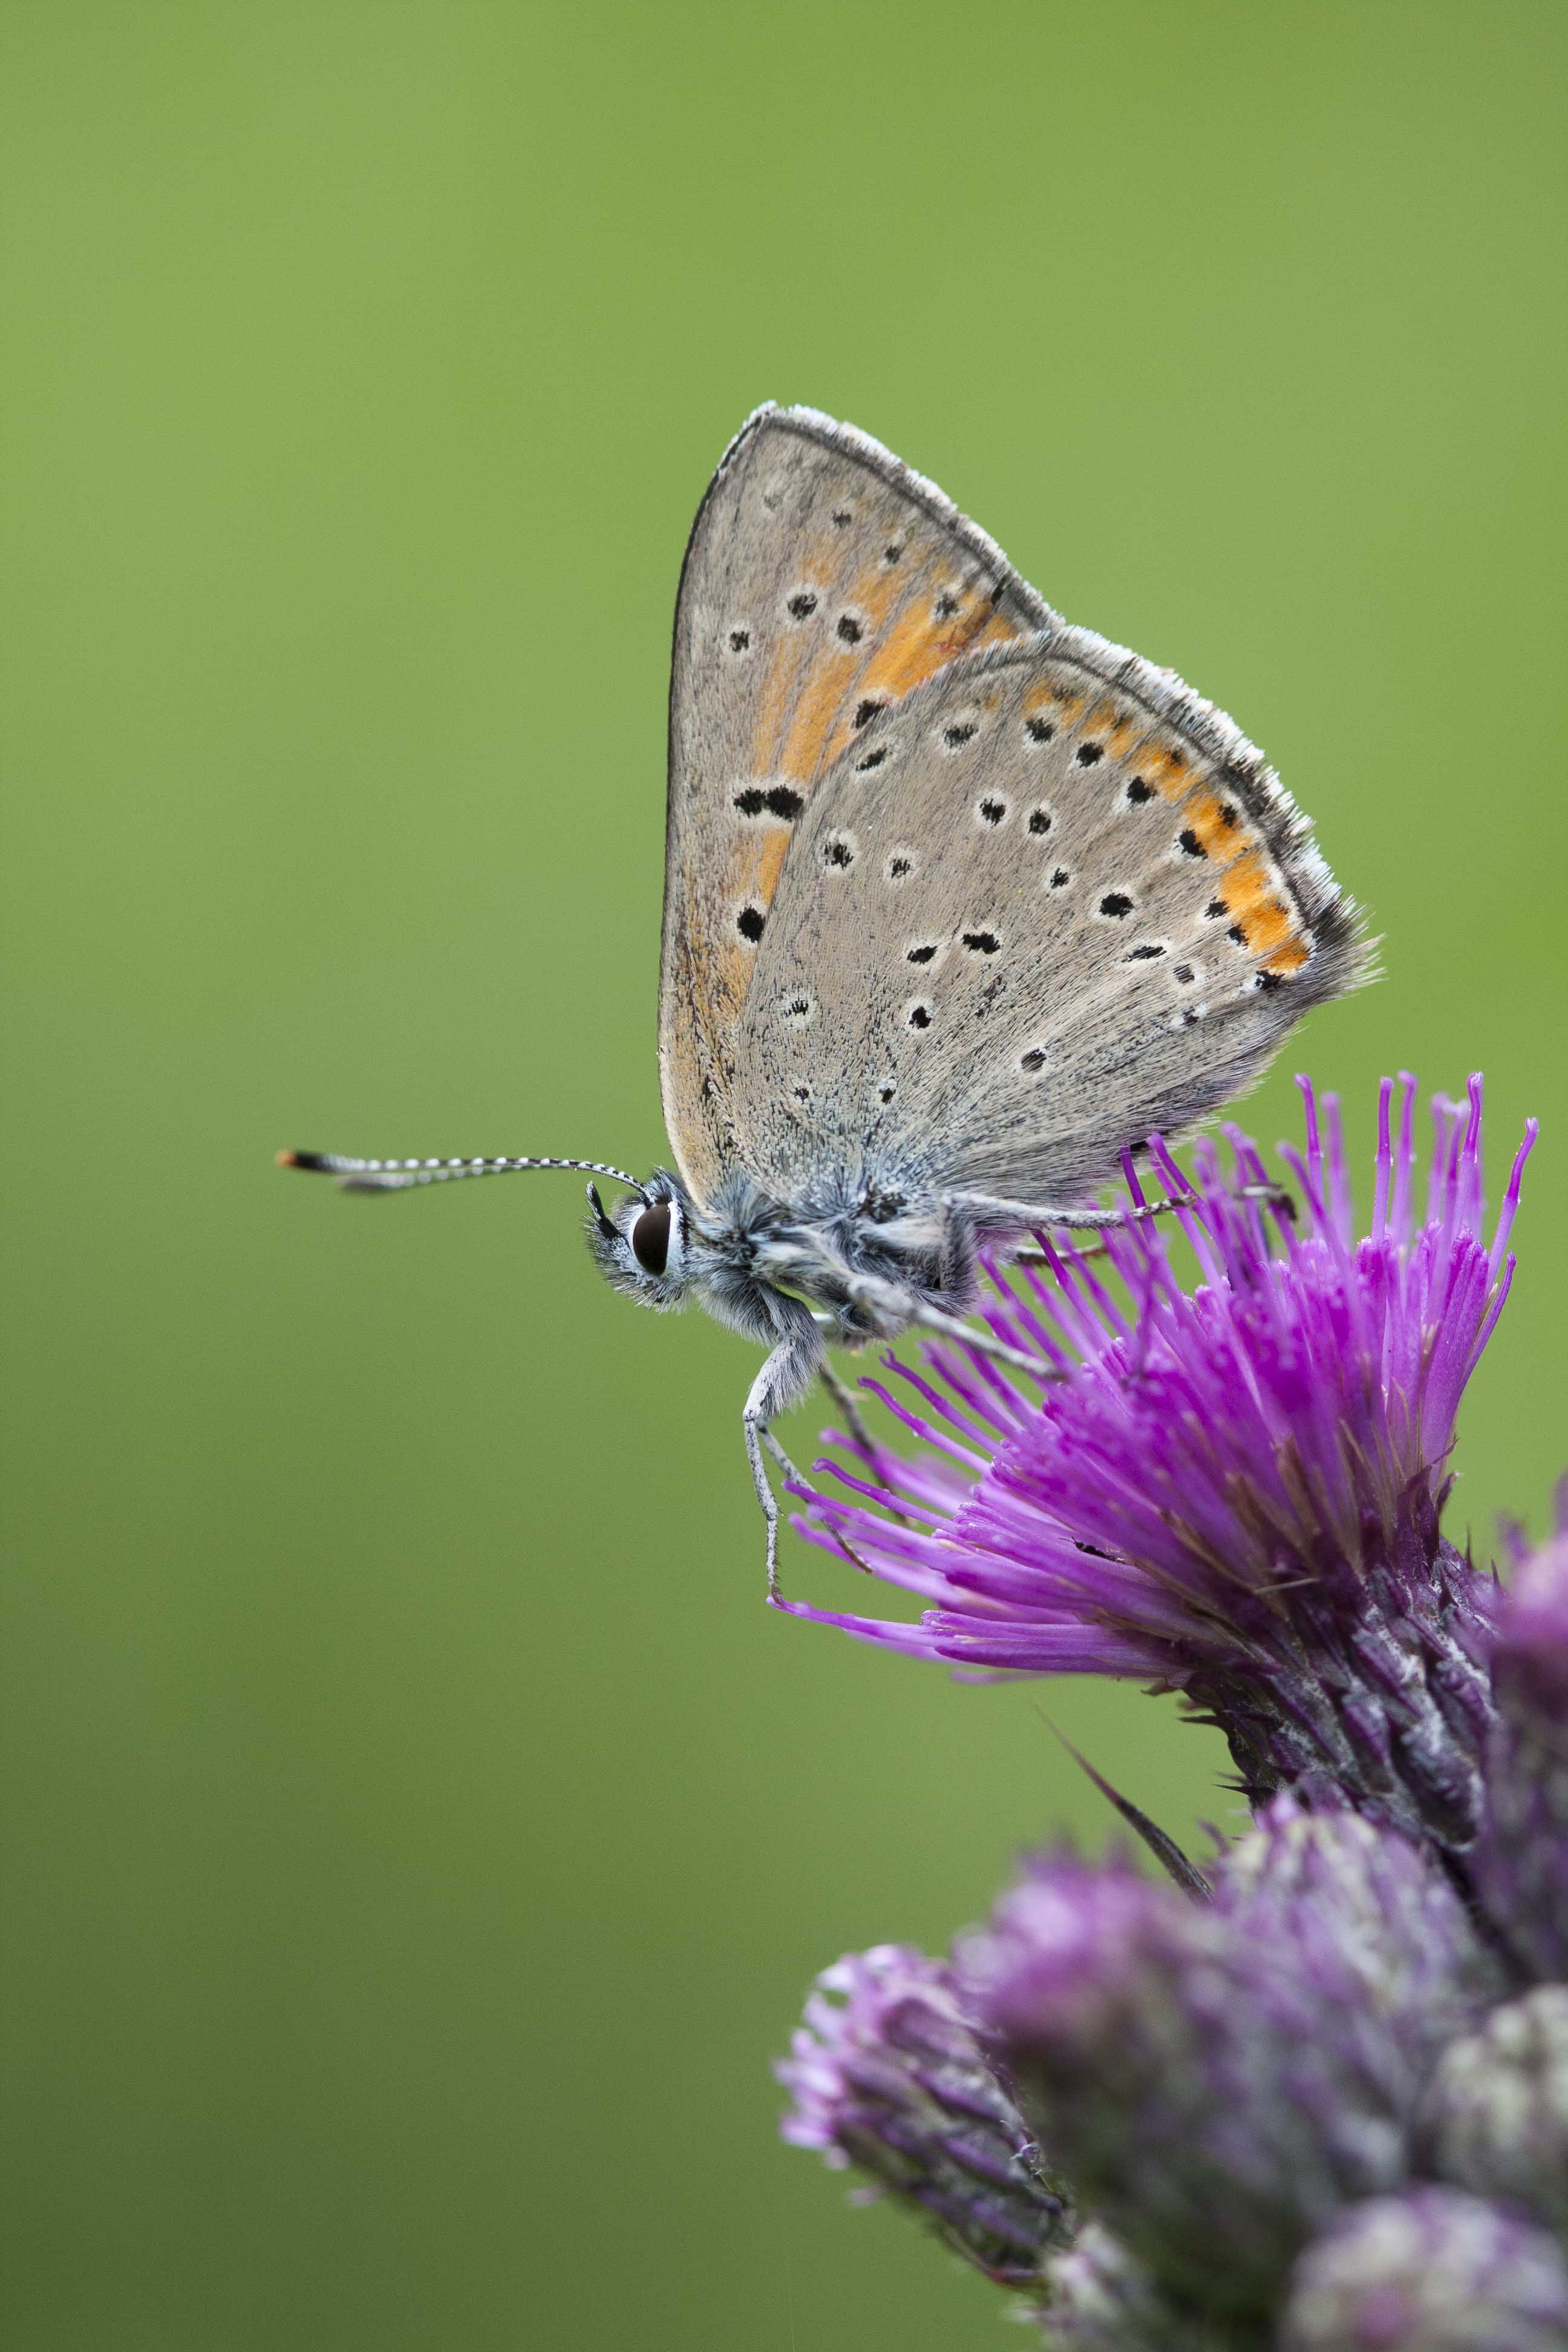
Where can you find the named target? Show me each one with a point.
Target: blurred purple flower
(1431, 2271)
(1521, 1862)
(1496, 2110)
(1217, 2080)
(887, 2074)
(1234, 1492)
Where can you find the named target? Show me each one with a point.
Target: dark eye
(650, 1238)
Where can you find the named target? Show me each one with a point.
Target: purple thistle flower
(1234, 1492)
(1521, 1862)
(1219, 2079)
(1433, 2271)
(1497, 2113)
(887, 2074)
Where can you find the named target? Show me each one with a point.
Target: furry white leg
(860, 1437)
(985, 1213)
(1274, 1196)
(753, 1428)
(900, 1307)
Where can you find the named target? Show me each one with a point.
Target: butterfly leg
(863, 1444)
(959, 1255)
(890, 1302)
(785, 1376)
(854, 1420)
(952, 1327)
(978, 1210)
(982, 1214)
(891, 1308)
(755, 1426)
(1273, 1196)
(862, 1438)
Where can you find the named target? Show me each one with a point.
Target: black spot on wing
(778, 801)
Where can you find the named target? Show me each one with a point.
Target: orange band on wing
(1289, 958)
(1252, 890)
(919, 644)
(1168, 771)
(1062, 703)
(823, 716)
(1115, 729)
(1252, 895)
(1217, 822)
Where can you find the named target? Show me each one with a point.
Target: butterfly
(962, 903)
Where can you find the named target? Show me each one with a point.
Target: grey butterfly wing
(823, 579)
(1050, 902)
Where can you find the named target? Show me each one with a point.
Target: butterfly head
(643, 1245)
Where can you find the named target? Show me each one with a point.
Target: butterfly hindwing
(1047, 904)
(823, 581)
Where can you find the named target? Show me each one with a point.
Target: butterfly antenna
(404, 1175)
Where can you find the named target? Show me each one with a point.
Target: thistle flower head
(1520, 1863)
(887, 2074)
(1430, 2271)
(1531, 1667)
(1218, 2080)
(1497, 2111)
(1233, 1490)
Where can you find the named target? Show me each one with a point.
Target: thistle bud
(1498, 2109)
(1433, 2271)
(888, 2075)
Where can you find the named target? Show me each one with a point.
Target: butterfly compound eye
(649, 1238)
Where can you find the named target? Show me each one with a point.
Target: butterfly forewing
(823, 581)
(1049, 902)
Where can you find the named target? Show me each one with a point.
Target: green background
(418, 1835)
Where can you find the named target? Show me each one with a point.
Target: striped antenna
(402, 1175)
